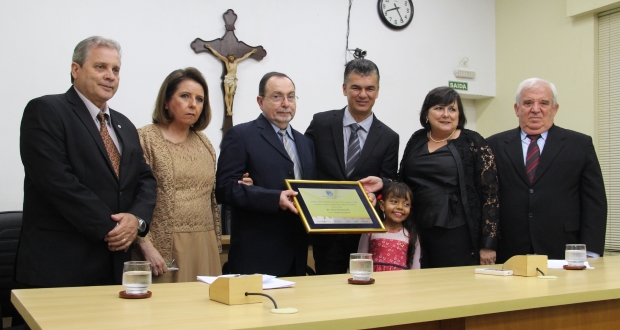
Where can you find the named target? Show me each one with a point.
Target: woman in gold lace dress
(186, 224)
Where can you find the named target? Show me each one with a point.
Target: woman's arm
(364, 244)
(488, 191)
(154, 257)
(416, 255)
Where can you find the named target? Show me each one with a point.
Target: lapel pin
(119, 126)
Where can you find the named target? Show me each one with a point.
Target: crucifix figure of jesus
(230, 79)
(230, 51)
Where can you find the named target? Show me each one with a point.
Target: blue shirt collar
(289, 130)
(348, 120)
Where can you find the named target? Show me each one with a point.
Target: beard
(283, 116)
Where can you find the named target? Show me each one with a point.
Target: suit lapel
(553, 146)
(337, 133)
(302, 152)
(514, 151)
(79, 108)
(270, 135)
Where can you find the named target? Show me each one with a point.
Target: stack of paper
(269, 281)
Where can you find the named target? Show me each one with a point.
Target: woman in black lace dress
(452, 174)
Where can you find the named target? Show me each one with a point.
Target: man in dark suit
(343, 155)
(87, 189)
(551, 186)
(267, 235)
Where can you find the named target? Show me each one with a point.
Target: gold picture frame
(335, 207)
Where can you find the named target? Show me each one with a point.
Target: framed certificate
(335, 207)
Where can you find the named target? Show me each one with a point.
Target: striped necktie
(533, 157)
(353, 152)
(291, 153)
(115, 156)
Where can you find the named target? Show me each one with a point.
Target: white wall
(304, 39)
(536, 39)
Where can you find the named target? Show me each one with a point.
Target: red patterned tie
(533, 157)
(115, 156)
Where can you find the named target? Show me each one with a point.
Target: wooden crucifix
(230, 51)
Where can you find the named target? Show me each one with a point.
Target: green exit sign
(458, 85)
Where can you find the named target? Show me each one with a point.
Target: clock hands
(395, 8)
(398, 11)
(392, 20)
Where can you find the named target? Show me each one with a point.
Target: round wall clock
(396, 14)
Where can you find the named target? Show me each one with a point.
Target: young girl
(398, 248)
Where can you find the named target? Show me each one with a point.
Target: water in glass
(360, 266)
(137, 276)
(575, 254)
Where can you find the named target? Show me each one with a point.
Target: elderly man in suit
(551, 186)
(267, 235)
(88, 191)
(351, 144)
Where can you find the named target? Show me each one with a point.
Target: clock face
(396, 14)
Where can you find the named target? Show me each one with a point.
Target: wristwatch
(141, 225)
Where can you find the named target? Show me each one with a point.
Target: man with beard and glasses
(267, 235)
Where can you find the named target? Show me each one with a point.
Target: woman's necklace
(438, 141)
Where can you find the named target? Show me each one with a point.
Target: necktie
(353, 153)
(115, 156)
(533, 157)
(291, 153)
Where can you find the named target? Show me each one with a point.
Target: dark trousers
(332, 251)
(443, 247)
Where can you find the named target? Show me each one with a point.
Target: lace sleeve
(489, 187)
(217, 220)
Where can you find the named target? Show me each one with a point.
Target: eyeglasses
(277, 98)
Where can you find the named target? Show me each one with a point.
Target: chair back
(10, 228)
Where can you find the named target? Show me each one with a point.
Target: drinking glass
(360, 266)
(172, 265)
(137, 276)
(575, 254)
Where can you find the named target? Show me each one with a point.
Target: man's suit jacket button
(120, 193)
(290, 172)
(531, 191)
(531, 215)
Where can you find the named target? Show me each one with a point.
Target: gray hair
(361, 66)
(533, 82)
(82, 50)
